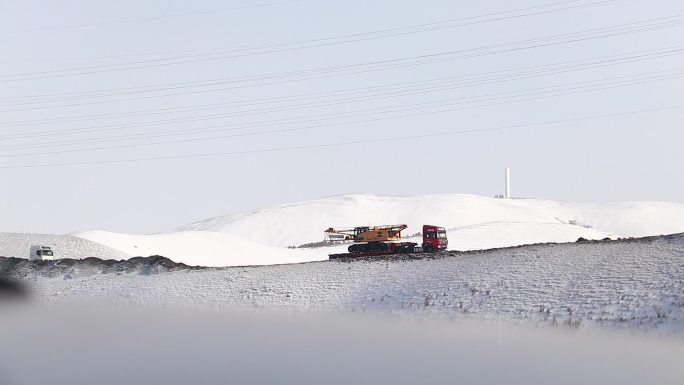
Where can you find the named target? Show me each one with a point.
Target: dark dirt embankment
(18, 268)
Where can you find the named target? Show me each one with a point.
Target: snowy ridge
(626, 284)
(505, 234)
(299, 223)
(262, 237)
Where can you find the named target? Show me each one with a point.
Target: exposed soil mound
(70, 268)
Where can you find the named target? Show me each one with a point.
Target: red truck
(376, 240)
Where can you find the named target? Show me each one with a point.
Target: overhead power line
(465, 80)
(578, 37)
(338, 144)
(655, 76)
(20, 101)
(273, 48)
(270, 45)
(494, 100)
(152, 18)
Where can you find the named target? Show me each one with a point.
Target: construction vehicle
(379, 240)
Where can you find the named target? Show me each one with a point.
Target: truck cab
(434, 238)
(41, 253)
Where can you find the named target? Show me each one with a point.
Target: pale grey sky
(95, 83)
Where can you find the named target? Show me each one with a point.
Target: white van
(41, 253)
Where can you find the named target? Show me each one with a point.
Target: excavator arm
(384, 233)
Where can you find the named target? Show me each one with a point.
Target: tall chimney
(508, 182)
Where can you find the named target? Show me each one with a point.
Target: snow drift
(201, 248)
(299, 223)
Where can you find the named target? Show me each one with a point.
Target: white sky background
(625, 157)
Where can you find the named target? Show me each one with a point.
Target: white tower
(508, 182)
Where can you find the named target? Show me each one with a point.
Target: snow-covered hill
(18, 245)
(299, 223)
(426, 314)
(202, 248)
(626, 284)
(474, 222)
(505, 234)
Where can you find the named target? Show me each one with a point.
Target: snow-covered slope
(473, 222)
(629, 283)
(201, 248)
(299, 223)
(65, 246)
(505, 234)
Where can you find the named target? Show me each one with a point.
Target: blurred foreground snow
(75, 345)
(634, 284)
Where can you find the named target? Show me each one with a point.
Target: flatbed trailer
(400, 248)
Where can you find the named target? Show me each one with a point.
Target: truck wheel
(427, 248)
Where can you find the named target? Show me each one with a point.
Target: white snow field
(542, 314)
(473, 223)
(202, 248)
(262, 237)
(634, 284)
(299, 223)
(17, 245)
